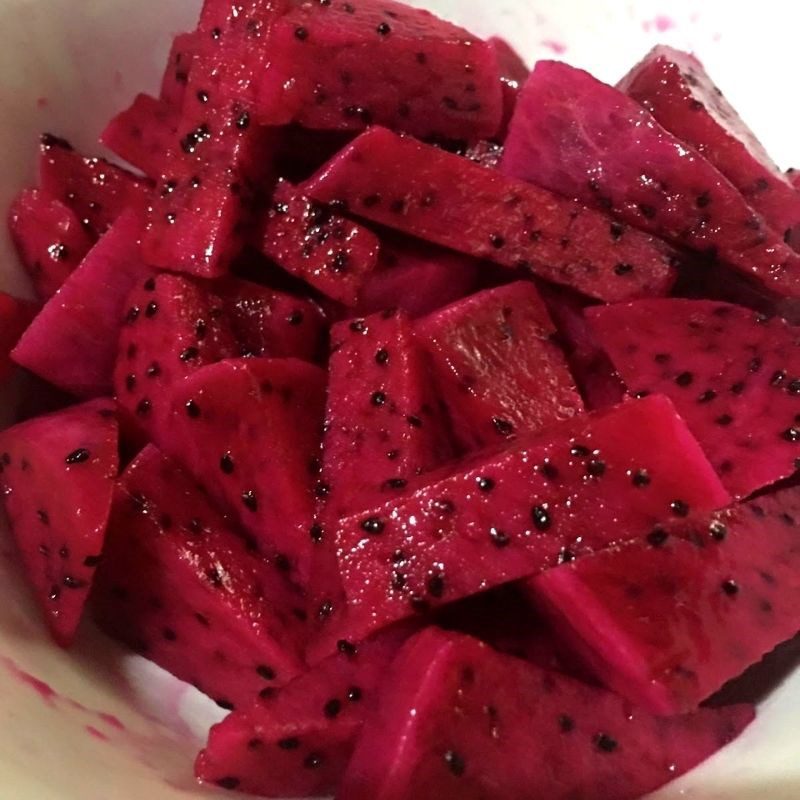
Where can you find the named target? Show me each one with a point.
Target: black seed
(130, 382)
(579, 451)
(189, 354)
(541, 518)
(371, 200)
(55, 592)
(358, 326)
(502, 426)
(703, 200)
(497, 241)
(282, 563)
(250, 500)
(325, 610)
(373, 525)
(778, 378)
(295, 318)
(396, 483)
(316, 532)
(617, 229)
(499, 539)
(421, 58)
(64, 552)
(132, 315)
(226, 464)
(332, 708)
(647, 211)
(791, 435)
(313, 760)
(73, 583)
(192, 409)
(384, 29)
(657, 537)
(92, 561)
(321, 489)
(378, 398)
(595, 469)
(203, 620)
(346, 648)
(382, 356)
(435, 585)
(354, 694)
(730, 588)
(265, 672)
(724, 420)
(78, 456)
(154, 370)
(738, 387)
(605, 743)
(566, 724)
(169, 634)
(623, 269)
(641, 478)
(485, 484)
(794, 387)
(228, 783)
(414, 421)
(755, 364)
(268, 693)
(243, 121)
(718, 530)
(684, 379)
(397, 206)
(549, 470)
(301, 33)
(291, 743)
(455, 763)
(707, 396)
(679, 508)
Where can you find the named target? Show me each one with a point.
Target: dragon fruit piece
(49, 239)
(57, 479)
(172, 329)
(298, 741)
(96, 191)
(178, 585)
(249, 431)
(15, 316)
(458, 720)
(445, 199)
(142, 133)
(513, 513)
(211, 182)
(733, 375)
(793, 176)
(384, 425)
(341, 66)
(662, 621)
(268, 322)
(675, 88)
(584, 139)
(179, 64)
(332, 254)
(417, 278)
(513, 74)
(598, 381)
(499, 370)
(72, 343)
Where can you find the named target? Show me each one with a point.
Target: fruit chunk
(15, 316)
(584, 139)
(675, 88)
(179, 63)
(72, 343)
(733, 374)
(297, 742)
(332, 254)
(450, 201)
(49, 239)
(142, 133)
(57, 479)
(511, 514)
(341, 65)
(384, 425)
(500, 372)
(513, 74)
(458, 720)
(180, 587)
(96, 191)
(417, 278)
(666, 621)
(248, 430)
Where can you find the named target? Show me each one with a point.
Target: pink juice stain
(44, 690)
(559, 48)
(95, 733)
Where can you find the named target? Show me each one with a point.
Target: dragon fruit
(458, 720)
(675, 88)
(176, 325)
(249, 431)
(733, 375)
(332, 254)
(180, 587)
(341, 65)
(72, 343)
(416, 278)
(142, 133)
(513, 74)
(666, 621)
(57, 479)
(96, 191)
(15, 316)
(49, 239)
(594, 373)
(584, 139)
(500, 372)
(383, 425)
(297, 742)
(450, 201)
(513, 513)
(179, 64)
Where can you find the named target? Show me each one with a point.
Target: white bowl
(97, 724)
